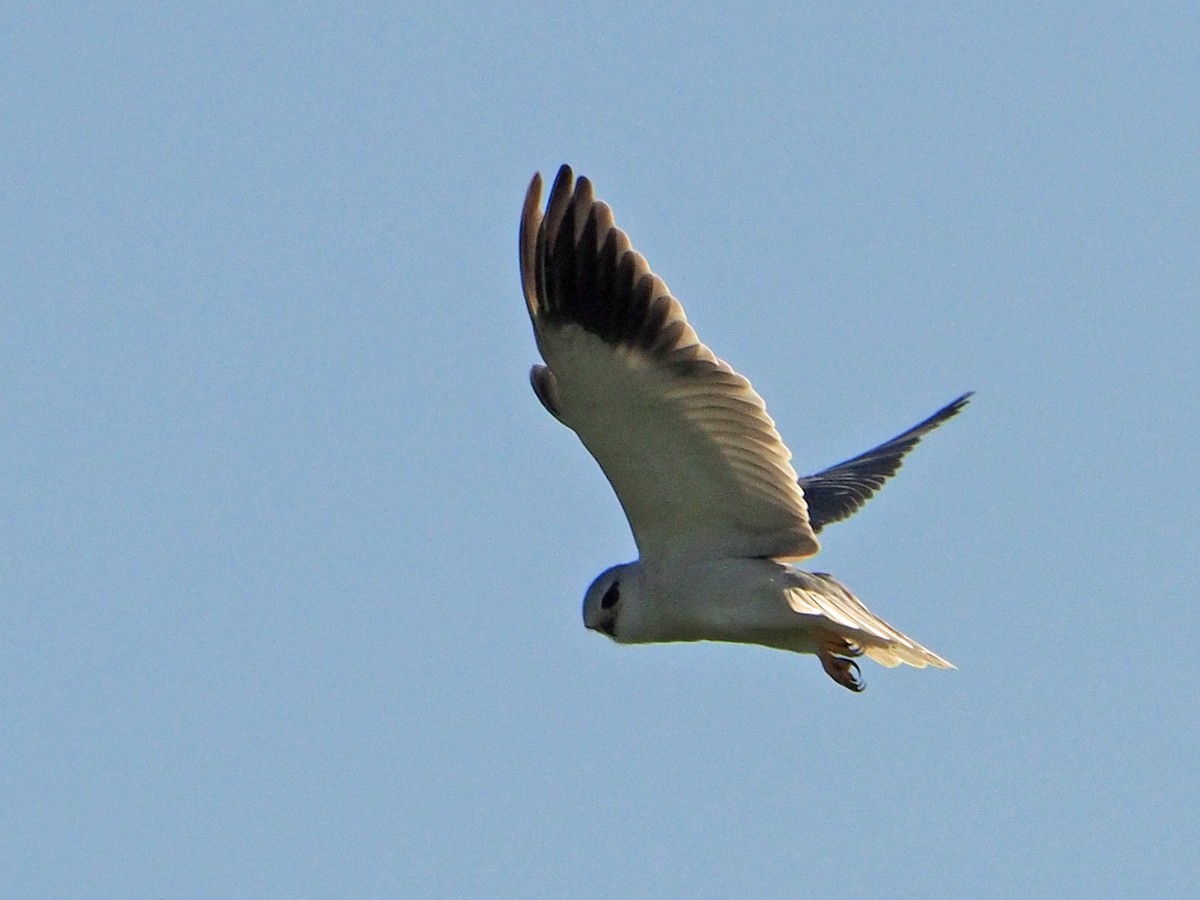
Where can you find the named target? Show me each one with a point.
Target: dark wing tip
(840, 491)
(953, 408)
(531, 220)
(578, 268)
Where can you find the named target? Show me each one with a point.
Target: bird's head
(608, 595)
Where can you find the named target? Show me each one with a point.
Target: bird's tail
(819, 594)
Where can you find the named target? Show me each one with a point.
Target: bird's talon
(844, 671)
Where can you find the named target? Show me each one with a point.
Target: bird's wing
(684, 440)
(840, 491)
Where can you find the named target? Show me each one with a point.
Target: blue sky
(291, 559)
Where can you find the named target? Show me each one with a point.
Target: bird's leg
(833, 654)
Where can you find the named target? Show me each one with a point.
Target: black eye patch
(610, 598)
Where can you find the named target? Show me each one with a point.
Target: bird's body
(745, 601)
(736, 599)
(717, 511)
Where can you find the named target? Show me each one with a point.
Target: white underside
(756, 601)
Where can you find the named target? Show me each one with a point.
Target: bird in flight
(716, 509)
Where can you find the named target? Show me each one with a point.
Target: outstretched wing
(840, 491)
(684, 440)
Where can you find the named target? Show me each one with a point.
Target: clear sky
(291, 559)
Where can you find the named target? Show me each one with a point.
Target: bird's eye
(610, 598)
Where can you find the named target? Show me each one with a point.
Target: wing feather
(840, 491)
(685, 441)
